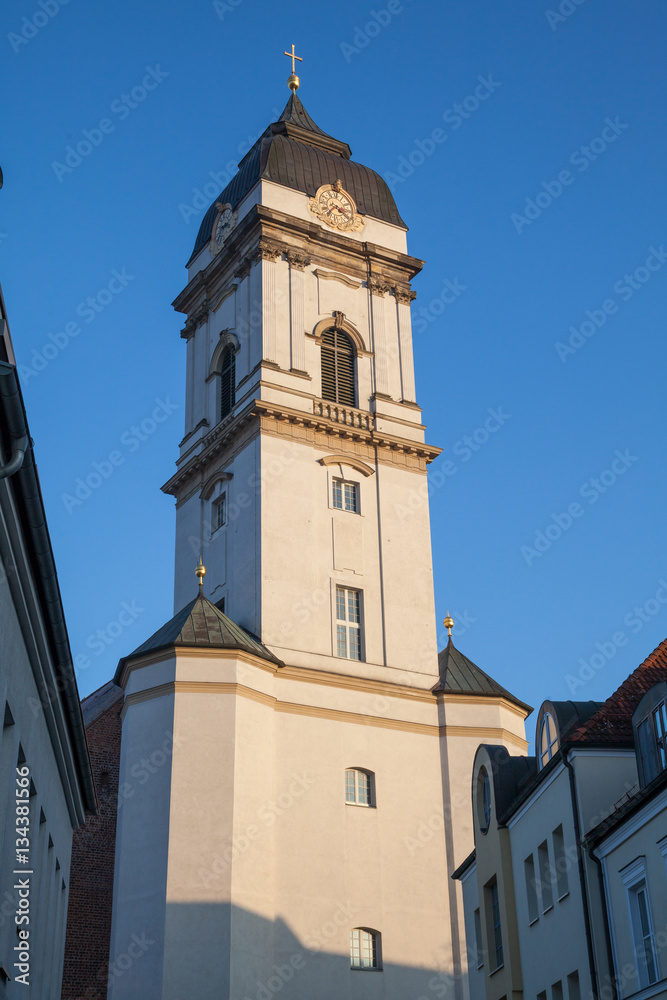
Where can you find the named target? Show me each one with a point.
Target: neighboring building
(86, 972)
(588, 814)
(295, 757)
(45, 776)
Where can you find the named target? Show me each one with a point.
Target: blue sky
(525, 146)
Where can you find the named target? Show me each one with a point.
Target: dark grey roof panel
(299, 155)
(459, 675)
(200, 623)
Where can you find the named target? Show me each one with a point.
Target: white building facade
(46, 786)
(311, 751)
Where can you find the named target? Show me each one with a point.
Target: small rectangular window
(560, 863)
(358, 787)
(219, 512)
(364, 949)
(493, 923)
(478, 940)
(573, 988)
(531, 888)
(345, 496)
(542, 995)
(348, 623)
(546, 885)
(557, 991)
(642, 932)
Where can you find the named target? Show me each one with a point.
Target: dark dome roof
(296, 153)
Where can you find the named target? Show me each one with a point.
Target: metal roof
(296, 153)
(459, 675)
(200, 623)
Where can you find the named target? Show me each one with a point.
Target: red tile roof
(612, 723)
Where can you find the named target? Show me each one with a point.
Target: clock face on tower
(224, 223)
(336, 208)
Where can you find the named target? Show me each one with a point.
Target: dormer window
(548, 739)
(650, 727)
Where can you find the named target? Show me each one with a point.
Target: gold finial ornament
(201, 573)
(449, 623)
(293, 80)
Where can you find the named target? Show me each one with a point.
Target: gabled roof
(200, 624)
(459, 675)
(296, 153)
(612, 722)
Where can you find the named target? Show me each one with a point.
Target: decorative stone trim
(243, 270)
(189, 328)
(209, 485)
(334, 276)
(378, 287)
(265, 250)
(340, 322)
(404, 296)
(297, 259)
(354, 463)
(202, 313)
(354, 428)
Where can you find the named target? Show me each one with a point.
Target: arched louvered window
(227, 382)
(338, 364)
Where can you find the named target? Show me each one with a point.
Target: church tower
(296, 762)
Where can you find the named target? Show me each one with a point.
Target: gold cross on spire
(293, 80)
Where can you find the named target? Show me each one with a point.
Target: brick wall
(91, 880)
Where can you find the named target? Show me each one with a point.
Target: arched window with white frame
(365, 952)
(359, 787)
(548, 739)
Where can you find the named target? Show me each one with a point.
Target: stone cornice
(332, 420)
(268, 233)
(297, 259)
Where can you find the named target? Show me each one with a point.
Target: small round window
(483, 799)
